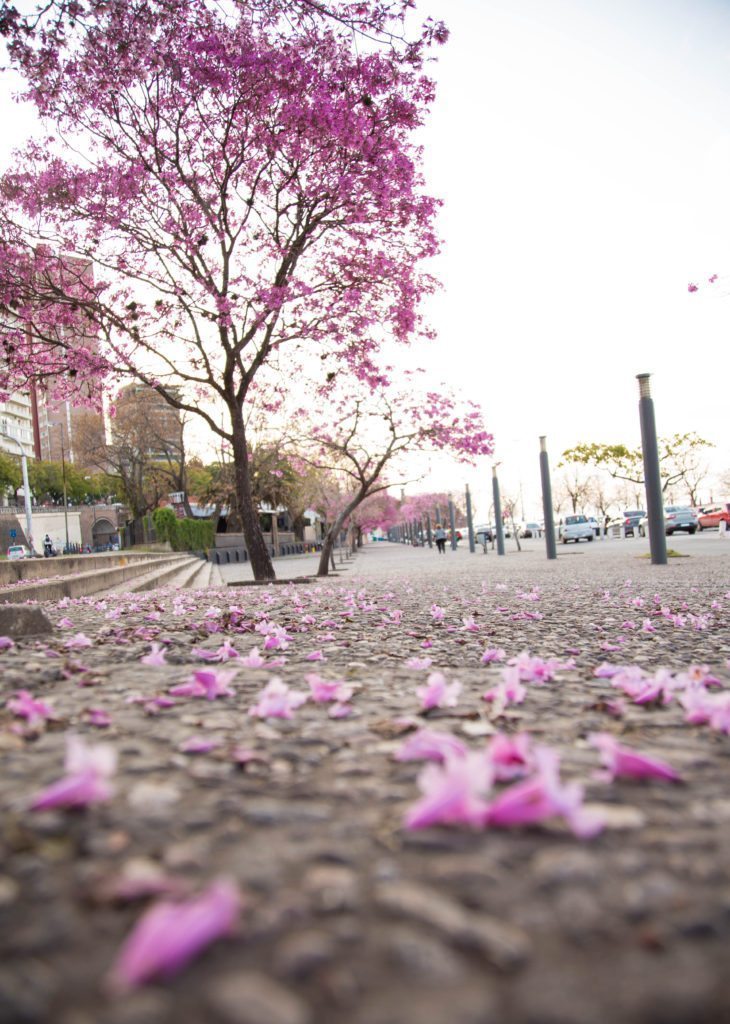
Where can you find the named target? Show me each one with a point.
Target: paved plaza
(351, 908)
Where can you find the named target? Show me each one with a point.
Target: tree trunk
(255, 543)
(328, 547)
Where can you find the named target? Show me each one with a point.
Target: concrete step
(103, 578)
(174, 574)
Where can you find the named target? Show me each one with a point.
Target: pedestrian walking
(439, 535)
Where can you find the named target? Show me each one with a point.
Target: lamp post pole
(652, 473)
(470, 521)
(65, 496)
(497, 512)
(26, 492)
(547, 500)
(452, 524)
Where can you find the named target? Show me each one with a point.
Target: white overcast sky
(582, 149)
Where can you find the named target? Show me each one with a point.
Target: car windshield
(571, 520)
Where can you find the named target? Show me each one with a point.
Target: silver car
(576, 528)
(676, 517)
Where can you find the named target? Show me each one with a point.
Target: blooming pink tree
(219, 186)
(368, 433)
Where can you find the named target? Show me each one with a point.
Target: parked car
(676, 517)
(16, 551)
(594, 523)
(484, 534)
(712, 515)
(530, 530)
(576, 528)
(630, 522)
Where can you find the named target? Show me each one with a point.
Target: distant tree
(575, 486)
(367, 433)
(680, 457)
(10, 475)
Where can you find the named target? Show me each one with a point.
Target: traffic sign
(13, 534)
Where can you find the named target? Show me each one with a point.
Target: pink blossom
(438, 693)
(169, 935)
(156, 655)
(24, 705)
(208, 683)
(199, 745)
(470, 624)
(253, 659)
(430, 745)
(437, 613)
(78, 640)
(493, 654)
(98, 717)
(324, 690)
(537, 670)
(65, 623)
(419, 663)
(6, 643)
(88, 770)
(426, 644)
(276, 700)
(453, 793)
(315, 656)
(511, 756)
(340, 710)
(691, 287)
(508, 691)
(541, 798)
(623, 762)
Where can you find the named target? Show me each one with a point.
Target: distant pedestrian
(439, 535)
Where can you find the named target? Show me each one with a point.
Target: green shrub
(183, 534)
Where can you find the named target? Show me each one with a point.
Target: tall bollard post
(429, 534)
(547, 501)
(452, 524)
(652, 473)
(470, 522)
(497, 512)
(438, 515)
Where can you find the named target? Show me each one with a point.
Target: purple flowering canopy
(216, 186)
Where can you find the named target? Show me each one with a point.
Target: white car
(576, 528)
(16, 551)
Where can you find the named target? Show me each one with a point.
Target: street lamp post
(652, 473)
(470, 521)
(452, 524)
(65, 495)
(547, 500)
(26, 491)
(497, 512)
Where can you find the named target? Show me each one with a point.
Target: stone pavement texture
(348, 915)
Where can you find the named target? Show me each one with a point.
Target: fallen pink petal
(438, 692)
(169, 935)
(623, 762)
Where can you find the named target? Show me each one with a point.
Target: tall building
(164, 427)
(16, 421)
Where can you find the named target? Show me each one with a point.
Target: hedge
(183, 534)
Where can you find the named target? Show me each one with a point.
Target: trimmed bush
(183, 534)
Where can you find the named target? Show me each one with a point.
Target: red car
(711, 516)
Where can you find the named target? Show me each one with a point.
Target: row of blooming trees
(220, 188)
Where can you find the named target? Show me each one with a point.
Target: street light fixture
(26, 490)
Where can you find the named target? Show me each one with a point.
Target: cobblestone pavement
(347, 915)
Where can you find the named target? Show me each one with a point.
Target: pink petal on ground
(453, 794)
(315, 656)
(438, 693)
(98, 717)
(510, 755)
(622, 762)
(198, 745)
(340, 710)
(493, 654)
(6, 643)
(419, 663)
(24, 705)
(155, 657)
(78, 640)
(253, 659)
(170, 935)
(276, 700)
(430, 745)
(77, 790)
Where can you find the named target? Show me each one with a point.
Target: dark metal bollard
(429, 535)
(652, 473)
(452, 524)
(497, 512)
(470, 521)
(547, 500)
